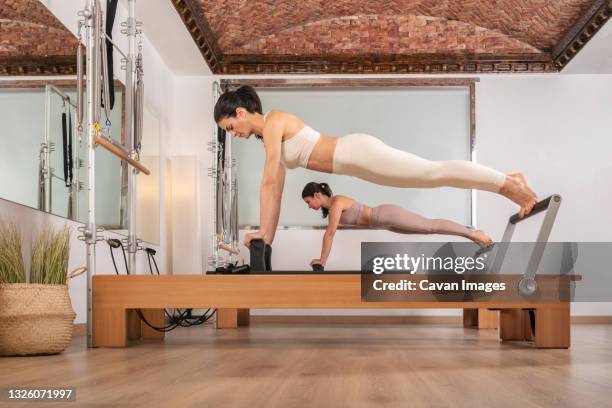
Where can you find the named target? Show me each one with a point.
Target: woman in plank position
(289, 143)
(343, 210)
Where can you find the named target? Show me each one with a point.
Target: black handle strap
(111, 11)
(261, 254)
(318, 268)
(65, 149)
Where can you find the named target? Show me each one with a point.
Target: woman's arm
(280, 185)
(271, 189)
(335, 211)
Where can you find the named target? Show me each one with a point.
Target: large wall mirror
(433, 118)
(43, 162)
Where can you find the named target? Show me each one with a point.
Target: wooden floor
(295, 365)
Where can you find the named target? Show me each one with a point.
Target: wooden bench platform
(116, 297)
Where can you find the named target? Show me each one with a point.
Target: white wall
(556, 129)
(191, 133)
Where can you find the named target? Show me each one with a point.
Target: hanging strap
(111, 10)
(65, 148)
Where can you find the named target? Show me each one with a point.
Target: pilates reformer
(234, 292)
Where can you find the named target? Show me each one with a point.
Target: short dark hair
(311, 188)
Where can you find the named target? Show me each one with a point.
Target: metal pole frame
(91, 23)
(225, 196)
(92, 20)
(213, 147)
(46, 149)
(130, 31)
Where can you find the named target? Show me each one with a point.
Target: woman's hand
(317, 261)
(251, 236)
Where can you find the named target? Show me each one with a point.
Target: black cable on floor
(187, 320)
(184, 318)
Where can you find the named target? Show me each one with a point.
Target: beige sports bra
(296, 151)
(351, 215)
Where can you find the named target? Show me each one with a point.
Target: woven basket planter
(35, 319)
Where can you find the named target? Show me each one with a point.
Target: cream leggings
(364, 156)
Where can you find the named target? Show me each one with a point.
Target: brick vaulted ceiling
(386, 36)
(33, 41)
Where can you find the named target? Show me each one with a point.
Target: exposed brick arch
(394, 36)
(408, 35)
(536, 22)
(33, 41)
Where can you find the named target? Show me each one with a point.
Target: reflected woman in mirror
(343, 210)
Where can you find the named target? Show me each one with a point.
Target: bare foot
(516, 189)
(522, 178)
(482, 239)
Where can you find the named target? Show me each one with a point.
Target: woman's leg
(369, 158)
(398, 219)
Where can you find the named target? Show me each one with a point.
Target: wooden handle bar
(120, 153)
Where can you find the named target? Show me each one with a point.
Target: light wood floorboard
(349, 365)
